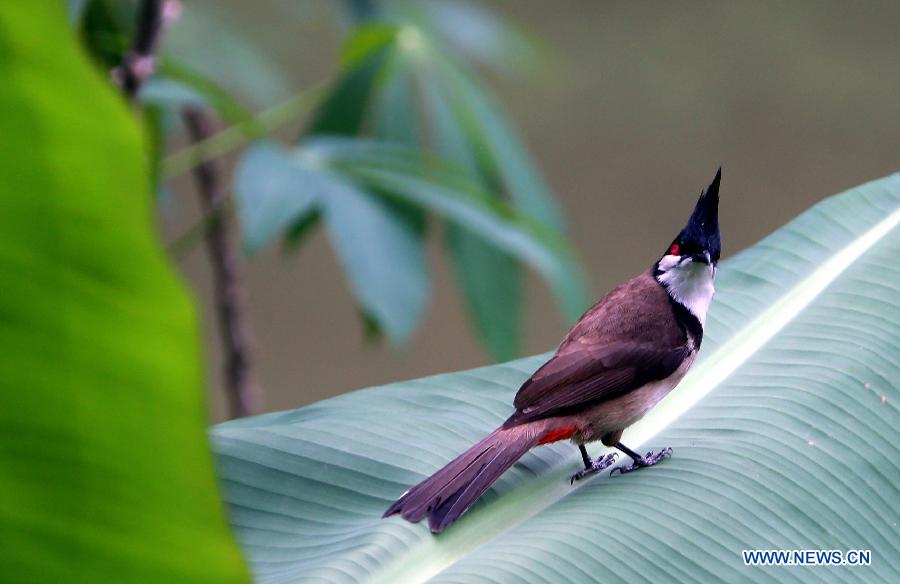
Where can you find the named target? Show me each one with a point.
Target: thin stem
(190, 237)
(140, 61)
(235, 136)
(224, 259)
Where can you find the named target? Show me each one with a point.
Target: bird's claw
(596, 466)
(647, 460)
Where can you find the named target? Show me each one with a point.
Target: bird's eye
(674, 250)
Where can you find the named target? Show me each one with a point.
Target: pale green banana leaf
(785, 436)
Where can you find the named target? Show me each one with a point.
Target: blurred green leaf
(106, 28)
(399, 58)
(209, 39)
(784, 432)
(472, 107)
(380, 250)
(498, 145)
(396, 114)
(477, 34)
(491, 283)
(396, 120)
(453, 196)
(154, 131)
(382, 256)
(469, 129)
(345, 109)
(366, 41)
(541, 249)
(448, 135)
(387, 62)
(105, 470)
(489, 279)
(363, 10)
(75, 10)
(272, 192)
(300, 229)
(277, 188)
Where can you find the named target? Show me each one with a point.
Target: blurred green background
(628, 110)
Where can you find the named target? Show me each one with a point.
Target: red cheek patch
(674, 249)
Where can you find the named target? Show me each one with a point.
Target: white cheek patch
(690, 283)
(668, 262)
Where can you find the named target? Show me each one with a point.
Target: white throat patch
(688, 282)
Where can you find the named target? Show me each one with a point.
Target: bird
(626, 353)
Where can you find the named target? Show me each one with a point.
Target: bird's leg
(640, 461)
(592, 466)
(585, 456)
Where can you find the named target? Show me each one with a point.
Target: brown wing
(571, 381)
(627, 339)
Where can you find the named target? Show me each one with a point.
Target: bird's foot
(596, 466)
(648, 460)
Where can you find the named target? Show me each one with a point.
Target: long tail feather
(448, 493)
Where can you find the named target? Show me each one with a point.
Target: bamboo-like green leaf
(385, 62)
(491, 283)
(785, 436)
(470, 130)
(105, 469)
(396, 118)
(272, 192)
(379, 247)
(277, 188)
(382, 254)
(479, 34)
(489, 279)
(200, 37)
(453, 195)
(345, 109)
(499, 146)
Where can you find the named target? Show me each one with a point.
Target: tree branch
(234, 328)
(140, 61)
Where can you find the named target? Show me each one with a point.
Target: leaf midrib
(442, 551)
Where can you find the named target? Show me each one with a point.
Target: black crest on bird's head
(701, 234)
